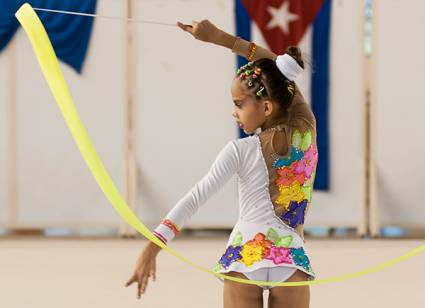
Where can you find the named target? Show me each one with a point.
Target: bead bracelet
(251, 51)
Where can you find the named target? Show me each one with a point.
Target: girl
(276, 170)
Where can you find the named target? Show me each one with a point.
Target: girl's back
(291, 157)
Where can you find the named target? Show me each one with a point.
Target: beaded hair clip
(247, 72)
(291, 89)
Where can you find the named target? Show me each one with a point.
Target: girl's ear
(268, 107)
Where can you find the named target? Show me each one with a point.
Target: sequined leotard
(275, 171)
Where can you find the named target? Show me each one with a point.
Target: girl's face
(247, 111)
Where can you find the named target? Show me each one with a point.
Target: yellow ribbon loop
(53, 74)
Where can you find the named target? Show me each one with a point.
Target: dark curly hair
(265, 81)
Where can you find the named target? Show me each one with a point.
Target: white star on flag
(281, 17)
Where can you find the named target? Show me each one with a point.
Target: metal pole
(130, 164)
(374, 224)
(12, 192)
(362, 225)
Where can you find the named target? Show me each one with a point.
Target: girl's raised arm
(208, 32)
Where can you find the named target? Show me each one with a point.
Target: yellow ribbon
(50, 66)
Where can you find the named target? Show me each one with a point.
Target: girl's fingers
(143, 287)
(131, 280)
(184, 27)
(145, 283)
(154, 271)
(139, 287)
(142, 284)
(139, 290)
(142, 279)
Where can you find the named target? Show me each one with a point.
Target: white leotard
(274, 195)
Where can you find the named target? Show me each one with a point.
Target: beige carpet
(68, 273)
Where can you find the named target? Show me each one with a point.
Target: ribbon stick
(53, 74)
(107, 17)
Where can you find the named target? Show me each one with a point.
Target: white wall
(54, 185)
(184, 110)
(182, 123)
(400, 130)
(4, 60)
(342, 204)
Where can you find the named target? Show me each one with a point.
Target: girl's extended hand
(203, 30)
(145, 267)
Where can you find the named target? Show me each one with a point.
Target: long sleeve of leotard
(222, 169)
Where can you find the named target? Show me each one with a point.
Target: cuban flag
(70, 34)
(277, 24)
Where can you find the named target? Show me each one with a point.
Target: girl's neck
(273, 124)
(284, 118)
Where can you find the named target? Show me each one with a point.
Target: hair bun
(288, 66)
(296, 53)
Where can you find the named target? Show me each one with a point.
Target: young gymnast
(275, 170)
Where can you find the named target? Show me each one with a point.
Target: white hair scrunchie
(288, 66)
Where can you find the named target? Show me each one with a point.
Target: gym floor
(66, 272)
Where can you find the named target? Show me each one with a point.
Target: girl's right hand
(145, 267)
(203, 30)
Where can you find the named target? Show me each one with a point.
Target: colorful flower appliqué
(294, 155)
(290, 174)
(300, 258)
(295, 177)
(279, 255)
(271, 246)
(255, 249)
(307, 163)
(289, 193)
(231, 255)
(295, 215)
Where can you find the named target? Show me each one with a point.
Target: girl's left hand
(145, 267)
(204, 30)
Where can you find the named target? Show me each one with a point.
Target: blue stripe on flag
(243, 29)
(320, 92)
